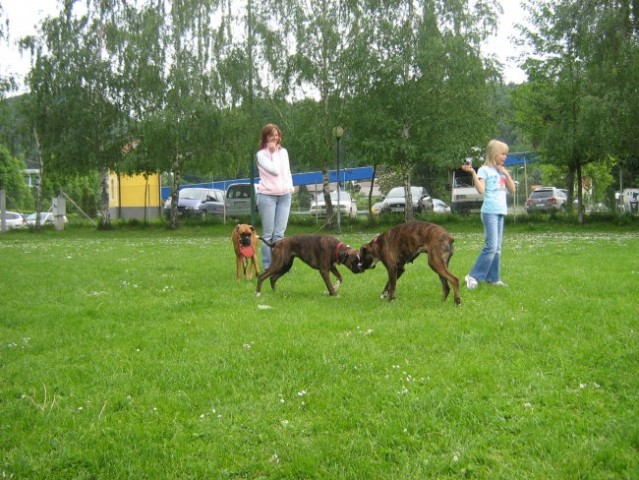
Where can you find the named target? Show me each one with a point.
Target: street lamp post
(338, 132)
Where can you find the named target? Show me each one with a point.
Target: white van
(238, 199)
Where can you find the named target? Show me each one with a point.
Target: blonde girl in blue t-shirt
(493, 181)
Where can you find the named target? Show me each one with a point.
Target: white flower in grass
(301, 393)
(403, 391)
(527, 406)
(456, 457)
(284, 423)
(583, 385)
(275, 458)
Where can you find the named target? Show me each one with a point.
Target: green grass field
(134, 354)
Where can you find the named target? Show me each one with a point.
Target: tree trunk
(175, 192)
(326, 191)
(38, 226)
(104, 199)
(409, 214)
(580, 197)
(370, 192)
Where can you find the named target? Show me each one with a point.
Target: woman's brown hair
(266, 131)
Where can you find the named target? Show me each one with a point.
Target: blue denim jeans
(273, 210)
(487, 267)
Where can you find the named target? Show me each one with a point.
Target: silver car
(14, 220)
(198, 202)
(395, 200)
(46, 218)
(347, 204)
(546, 200)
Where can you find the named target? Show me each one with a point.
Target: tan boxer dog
(320, 252)
(402, 244)
(244, 238)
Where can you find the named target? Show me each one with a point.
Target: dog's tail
(266, 241)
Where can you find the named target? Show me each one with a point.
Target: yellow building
(135, 196)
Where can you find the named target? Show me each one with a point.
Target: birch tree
(581, 105)
(79, 116)
(427, 100)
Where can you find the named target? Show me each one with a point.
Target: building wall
(131, 196)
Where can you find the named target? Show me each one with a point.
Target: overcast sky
(25, 15)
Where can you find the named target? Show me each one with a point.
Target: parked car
(546, 199)
(395, 201)
(439, 206)
(238, 199)
(14, 220)
(198, 202)
(348, 206)
(46, 218)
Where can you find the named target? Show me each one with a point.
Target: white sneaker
(471, 283)
(499, 283)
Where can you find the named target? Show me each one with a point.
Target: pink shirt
(275, 172)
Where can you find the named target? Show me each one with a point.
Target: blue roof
(345, 175)
(519, 158)
(305, 178)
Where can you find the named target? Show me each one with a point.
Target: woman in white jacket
(275, 189)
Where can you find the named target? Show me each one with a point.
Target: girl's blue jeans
(487, 267)
(274, 211)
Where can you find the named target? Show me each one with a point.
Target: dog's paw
(337, 285)
(257, 294)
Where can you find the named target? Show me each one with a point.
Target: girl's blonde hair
(494, 148)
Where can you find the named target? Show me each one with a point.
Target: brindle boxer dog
(244, 238)
(402, 244)
(320, 252)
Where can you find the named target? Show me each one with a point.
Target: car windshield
(192, 194)
(398, 192)
(342, 196)
(463, 179)
(239, 191)
(541, 194)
